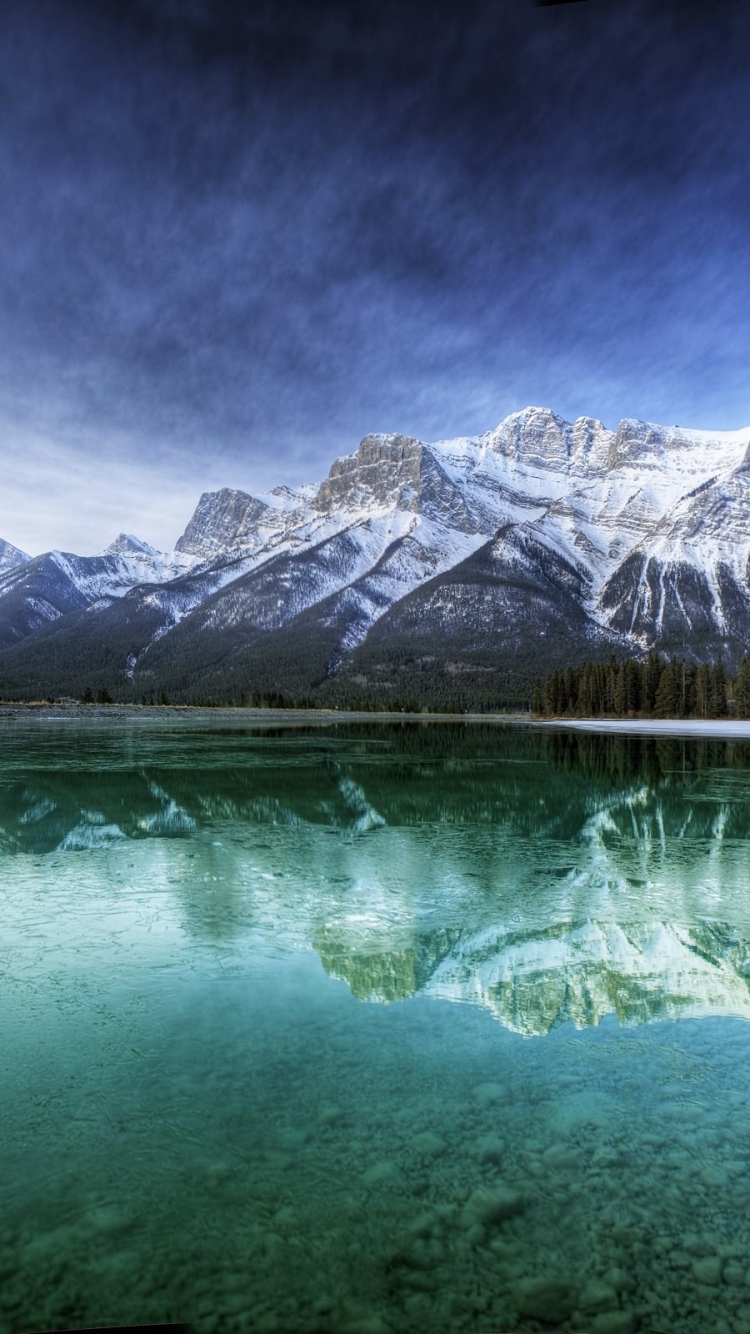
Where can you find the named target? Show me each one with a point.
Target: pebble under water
(374, 1029)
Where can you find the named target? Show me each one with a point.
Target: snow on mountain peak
(127, 544)
(625, 535)
(11, 557)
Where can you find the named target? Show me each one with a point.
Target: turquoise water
(426, 1028)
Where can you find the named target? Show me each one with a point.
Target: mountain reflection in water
(232, 1097)
(547, 877)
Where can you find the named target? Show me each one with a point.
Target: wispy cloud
(236, 238)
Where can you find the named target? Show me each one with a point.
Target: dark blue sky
(237, 237)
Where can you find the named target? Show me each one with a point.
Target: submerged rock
(562, 1157)
(485, 1207)
(489, 1092)
(613, 1322)
(424, 1224)
(490, 1149)
(550, 1300)
(696, 1245)
(384, 1173)
(598, 1296)
(331, 1115)
(708, 1270)
(369, 1324)
(108, 1219)
(428, 1144)
(620, 1279)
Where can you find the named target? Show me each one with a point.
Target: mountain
(10, 557)
(47, 588)
(448, 573)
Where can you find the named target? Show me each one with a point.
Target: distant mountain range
(445, 573)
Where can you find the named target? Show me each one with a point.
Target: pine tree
(571, 690)
(583, 703)
(632, 686)
(742, 690)
(599, 689)
(621, 700)
(552, 695)
(611, 682)
(702, 690)
(652, 669)
(668, 695)
(718, 691)
(689, 673)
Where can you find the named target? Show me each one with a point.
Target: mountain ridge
(540, 538)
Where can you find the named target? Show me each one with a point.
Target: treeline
(655, 688)
(257, 699)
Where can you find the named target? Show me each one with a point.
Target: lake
(373, 1028)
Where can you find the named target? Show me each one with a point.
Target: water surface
(368, 1029)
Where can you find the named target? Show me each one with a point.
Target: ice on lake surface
(374, 1028)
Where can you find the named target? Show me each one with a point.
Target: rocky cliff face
(395, 471)
(222, 520)
(539, 439)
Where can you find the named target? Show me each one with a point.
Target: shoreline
(726, 729)
(38, 711)
(226, 715)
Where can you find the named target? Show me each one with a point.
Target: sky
(237, 237)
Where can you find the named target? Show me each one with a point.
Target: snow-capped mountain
(10, 557)
(36, 592)
(412, 568)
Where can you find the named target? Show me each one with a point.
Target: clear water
(373, 1029)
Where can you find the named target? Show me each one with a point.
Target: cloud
(239, 237)
(52, 490)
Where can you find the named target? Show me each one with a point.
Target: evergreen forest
(656, 687)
